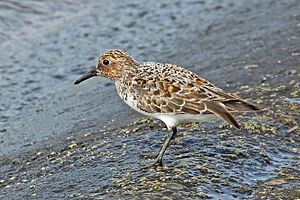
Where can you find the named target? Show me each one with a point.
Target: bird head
(111, 64)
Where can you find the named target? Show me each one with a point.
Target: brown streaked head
(111, 64)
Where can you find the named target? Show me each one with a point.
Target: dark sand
(60, 141)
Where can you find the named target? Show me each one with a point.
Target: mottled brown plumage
(168, 92)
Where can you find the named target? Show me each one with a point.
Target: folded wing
(180, 91)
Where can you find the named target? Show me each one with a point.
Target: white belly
(171, 119)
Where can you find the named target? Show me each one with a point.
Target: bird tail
(238, 105)
(224, 109)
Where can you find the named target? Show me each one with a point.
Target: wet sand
(60, 141)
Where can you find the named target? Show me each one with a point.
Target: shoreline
(84, 142)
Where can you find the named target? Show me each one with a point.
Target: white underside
(172, 119)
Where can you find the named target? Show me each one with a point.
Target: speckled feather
(168, 91)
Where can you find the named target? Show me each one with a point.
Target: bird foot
(157, 164)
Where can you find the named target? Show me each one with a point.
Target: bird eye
(105, 62)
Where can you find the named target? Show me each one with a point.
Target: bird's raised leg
(164, 147)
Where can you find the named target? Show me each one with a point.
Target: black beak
(86, 76)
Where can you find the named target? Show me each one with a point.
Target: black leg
(164, 147)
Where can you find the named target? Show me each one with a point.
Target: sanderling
(167, 92)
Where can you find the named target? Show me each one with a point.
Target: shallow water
(199, 164)
(62, 141)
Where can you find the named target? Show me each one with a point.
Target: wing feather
(220, 110)
(176, 90)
